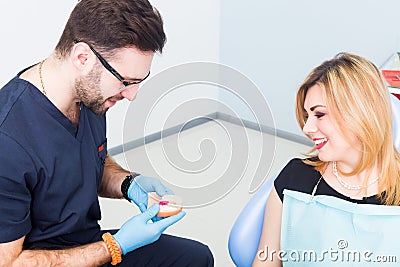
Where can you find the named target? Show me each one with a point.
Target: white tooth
(320, 141)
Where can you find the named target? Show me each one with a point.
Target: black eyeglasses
(114, 72)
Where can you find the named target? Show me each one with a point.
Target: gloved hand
(143, 208)
(138, 232)
(141, 185)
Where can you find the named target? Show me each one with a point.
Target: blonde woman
(340, 203)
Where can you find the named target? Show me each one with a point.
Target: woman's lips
(320, 142)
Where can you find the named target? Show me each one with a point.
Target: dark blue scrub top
(50, 170)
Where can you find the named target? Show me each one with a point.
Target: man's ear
(82, 58)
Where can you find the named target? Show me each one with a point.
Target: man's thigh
(170, 251)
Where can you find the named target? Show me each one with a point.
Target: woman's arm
(268, 248)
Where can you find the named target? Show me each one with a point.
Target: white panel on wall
(277, 43)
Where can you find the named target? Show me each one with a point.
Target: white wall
(274, 43)
(29, 32)
(277, 43)
(192, 29)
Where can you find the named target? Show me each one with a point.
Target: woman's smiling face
(330, 142)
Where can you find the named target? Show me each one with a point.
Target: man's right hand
(140, 231)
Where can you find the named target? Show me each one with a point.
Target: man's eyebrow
(132, 79)
(135, 79)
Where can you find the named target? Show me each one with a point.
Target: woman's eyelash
(317, 114)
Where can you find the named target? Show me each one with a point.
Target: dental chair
(246, 231)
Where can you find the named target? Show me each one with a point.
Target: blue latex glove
(139, 231)
(143, 208)
(142, 185)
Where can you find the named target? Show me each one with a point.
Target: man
(54, 162)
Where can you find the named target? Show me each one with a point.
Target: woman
(343, 106)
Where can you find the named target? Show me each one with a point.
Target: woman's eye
(319, 115)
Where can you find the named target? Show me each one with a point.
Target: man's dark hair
(110, 24)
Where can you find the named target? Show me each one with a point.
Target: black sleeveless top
(298, 176)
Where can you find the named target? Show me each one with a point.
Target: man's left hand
(142, 185)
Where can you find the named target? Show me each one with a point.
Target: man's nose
(130, 92)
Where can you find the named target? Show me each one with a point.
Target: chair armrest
(246, 232)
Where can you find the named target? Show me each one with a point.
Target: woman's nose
(310, 126)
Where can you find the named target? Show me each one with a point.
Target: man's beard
(88, 91)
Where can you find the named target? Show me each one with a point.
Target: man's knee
(201, 255)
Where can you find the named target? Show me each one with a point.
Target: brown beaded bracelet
(113, 247)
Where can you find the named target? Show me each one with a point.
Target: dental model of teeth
(169, 204)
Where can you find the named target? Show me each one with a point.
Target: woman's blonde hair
(358, 100)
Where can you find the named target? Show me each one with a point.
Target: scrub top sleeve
(15, 180)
